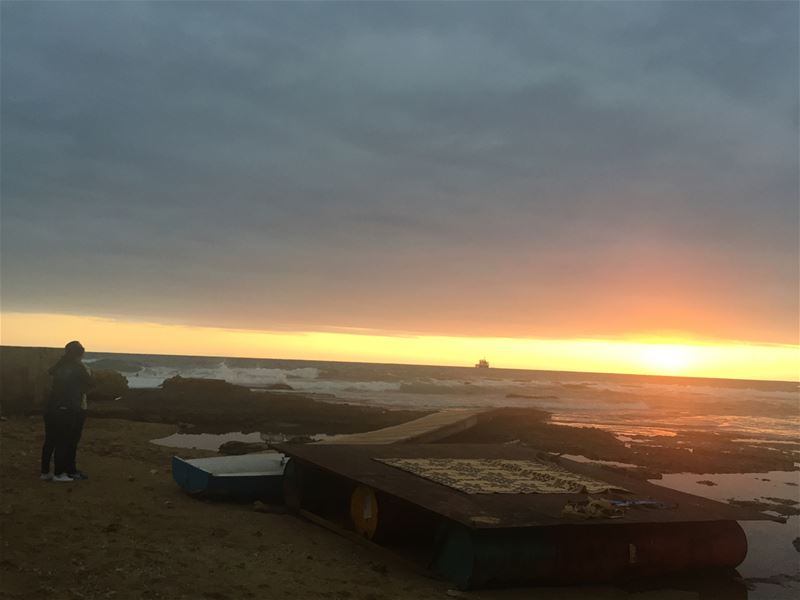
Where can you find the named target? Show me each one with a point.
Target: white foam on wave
(151, 377)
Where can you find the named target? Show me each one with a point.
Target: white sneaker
(46, 476)
(63, 477)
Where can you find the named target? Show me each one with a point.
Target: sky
(619, 171)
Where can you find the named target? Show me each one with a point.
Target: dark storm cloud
(483, 168)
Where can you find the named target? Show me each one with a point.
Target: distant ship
(482, 364)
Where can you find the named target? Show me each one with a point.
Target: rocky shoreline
(129, 532)
(215, 406)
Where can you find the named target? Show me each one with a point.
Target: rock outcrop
(194, 385)
(108, 385)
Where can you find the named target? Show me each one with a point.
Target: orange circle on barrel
(364, 511)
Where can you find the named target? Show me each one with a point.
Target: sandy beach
(129, 531)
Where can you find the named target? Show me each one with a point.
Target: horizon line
(401, 364)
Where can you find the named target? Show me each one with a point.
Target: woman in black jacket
(71, 381)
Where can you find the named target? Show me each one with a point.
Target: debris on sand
(707, 482)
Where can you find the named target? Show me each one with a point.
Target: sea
(628, 405)
(634, 408)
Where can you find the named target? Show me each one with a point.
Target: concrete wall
(24, 382)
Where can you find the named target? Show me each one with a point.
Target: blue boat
(245, 477)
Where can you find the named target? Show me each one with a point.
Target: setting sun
(668, 359)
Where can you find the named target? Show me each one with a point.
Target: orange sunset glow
(388, 299)
(644, 356)
(425, 189)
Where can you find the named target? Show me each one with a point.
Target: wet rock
(197, 385)
(233, 448)
(758, 505)
(220, 407)
(279, 386)
(786, 501)
(776, 507)
(301, 439)
(787, 511)
(109, 385)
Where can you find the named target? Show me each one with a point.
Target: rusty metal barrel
(387, 519)
(475, 558)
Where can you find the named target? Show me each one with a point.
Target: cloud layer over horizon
(525, 170)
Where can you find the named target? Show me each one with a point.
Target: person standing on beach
(77, 430)
(64, 414)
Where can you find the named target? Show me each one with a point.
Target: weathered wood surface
(356, 463)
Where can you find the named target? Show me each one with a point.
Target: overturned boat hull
(245, 477)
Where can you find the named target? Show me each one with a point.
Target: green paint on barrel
(474, 558)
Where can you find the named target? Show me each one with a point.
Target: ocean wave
(422, 387)
(329, 387)
(150, 377)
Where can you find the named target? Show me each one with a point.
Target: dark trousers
(75, 438)
(58, 435)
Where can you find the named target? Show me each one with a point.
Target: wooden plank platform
(429, 428)
(357, 464)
